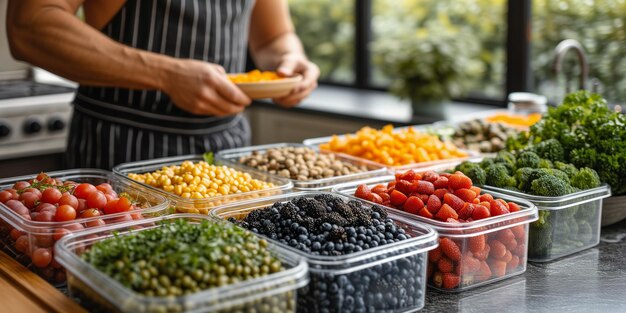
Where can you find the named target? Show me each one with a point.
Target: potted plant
(430, 65)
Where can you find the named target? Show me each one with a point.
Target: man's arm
(275, 46)
(46, 33)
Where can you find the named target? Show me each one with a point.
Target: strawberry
(374, 198)
(507, 257)
(511, 244)
(498, 268)
(477, 243)
(434, 255)
(476, 190)
(519, 231)
(433, 204)
(438, 279)
(430, 176)
(469, 264)
(405, 187)
(424, 187)
(362, 191)
(483, 255)
(465, 194)
(450, 280)
(450, 249)
(475, 201)
(458, 181)
(440, 193)
(413, 205)
(498, 250)
(378, 189)
(453, 201)
(391, 186)
(513, 207)
(466, 211)
(520, 250)
(486, 204)
(446, 212)
(497, 208)
(446, 175)
(424, 198)
(385, 196)
(484, 272)
(505, 236)
(480, 212)
(452, 220)
(441, 182)
(425, 213)
(485, 197)
(409, 175)
(513, 264)
(445, 265)
(397, 198)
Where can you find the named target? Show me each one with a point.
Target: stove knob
(32, 126)
(5, 130)
(55, 124)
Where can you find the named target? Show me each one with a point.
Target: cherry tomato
(109, 197)
(46, 216)
(90, 213)
(65, 213)
(21, 244)
(42, 257)
(16, 196)
(29, 199)
(16, 234)
(82, 191)
(33, 215)
(82, 205)
(95, 223)
(137, 216)
(44, 207)
(26, 217)
(59, 233)
(75, 227)
(68, 199)
(5, 196)
(105, 188)
(111, 207)
(51, 195)
(21, 185)
(123, 205)
(42, 176)
(112, 194)
(96, 200)
(120, 219)
(17, 207)
(33, 190)
(44, 241)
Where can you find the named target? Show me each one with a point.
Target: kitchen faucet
(561, 49)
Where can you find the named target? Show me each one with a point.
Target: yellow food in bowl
(254, 76)
(515, 120)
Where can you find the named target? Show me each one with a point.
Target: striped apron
(116, 125)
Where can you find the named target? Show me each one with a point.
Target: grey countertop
(593, 280)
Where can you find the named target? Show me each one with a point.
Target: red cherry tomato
(59, 233)
(42, 257)
(16, 196)
(51, 195)
(46, 216)
(123, 205)
(68, 199)
(5, 196)
(21, 244)
(29, 199)
(34, 190)
(82, 191)
(110, 207)
(90, 213)
(21, 185)
(16, 234)
(42, 176)
(105, 188)
(45, 207)
(96, 200)
(17, 207)
(65, 213)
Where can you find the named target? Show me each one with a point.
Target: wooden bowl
(613, 210)
(270, 89)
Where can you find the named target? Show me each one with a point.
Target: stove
(34, 118)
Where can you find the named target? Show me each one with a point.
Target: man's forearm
(269, 56)
(54, 39)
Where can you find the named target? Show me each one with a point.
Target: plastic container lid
(374, 169)
(525, 102)
(558, 203)
(218, 298)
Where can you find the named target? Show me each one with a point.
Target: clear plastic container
(512, 229)
(566, 224)
(44, 234)
(203, 206)
(374, 169)
(98, 292)
(376, 275)
(422, 166)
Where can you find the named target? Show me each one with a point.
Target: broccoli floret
(587, 211)
(586, 178)
(545, 163)
(549, 186)
(540, 236)
(498, 176)
(473, 171)
(507, 159)
(486, 162)
(550, 149)
(560, 175)
(569, 169)
(528, 159)
(585, 232)
(523, 178)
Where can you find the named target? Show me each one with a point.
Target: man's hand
(290, 65)
(204, 89)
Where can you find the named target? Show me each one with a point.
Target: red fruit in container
(405, 187)
(513, 264)
(480, 212)
(5, 196)
(21, 185)
(497, 208)
(434, 255)
(34, 190)
(17, 207)
(82, 191)
(513, 207)
(430, 176)
(476, 190)
(484, 272)
(413, 205)
(520, 250)
(425, 213)
(484, 254)
(507, 256)
(498, 250)
(51, 195)
(453, 201)
(486, 204)
(465, 194)
(68, 199)
(485, 197)
(362, 191)
(450, 249)
(378, 189)
(441, 182)
(466, 212)
(65, 213)
(450, 280)
(29, 199)
(82, 205)
(440, 193)
(409, 175)
(498, 268)
(42, 257)
(469, 265)
(386, 198)
(424, 198)
(445, 265)
(433, 204)
(424, 187)
(519, 231)
(477, 243)
(372, 197)
(511, 244)
(46, 216)
(446, 212)
(397, 198)
(22, 244)
(59, 233)
(458, 181)
(505, 236)
(96, 200)
(105, 188)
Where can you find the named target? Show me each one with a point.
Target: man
(152, 73)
